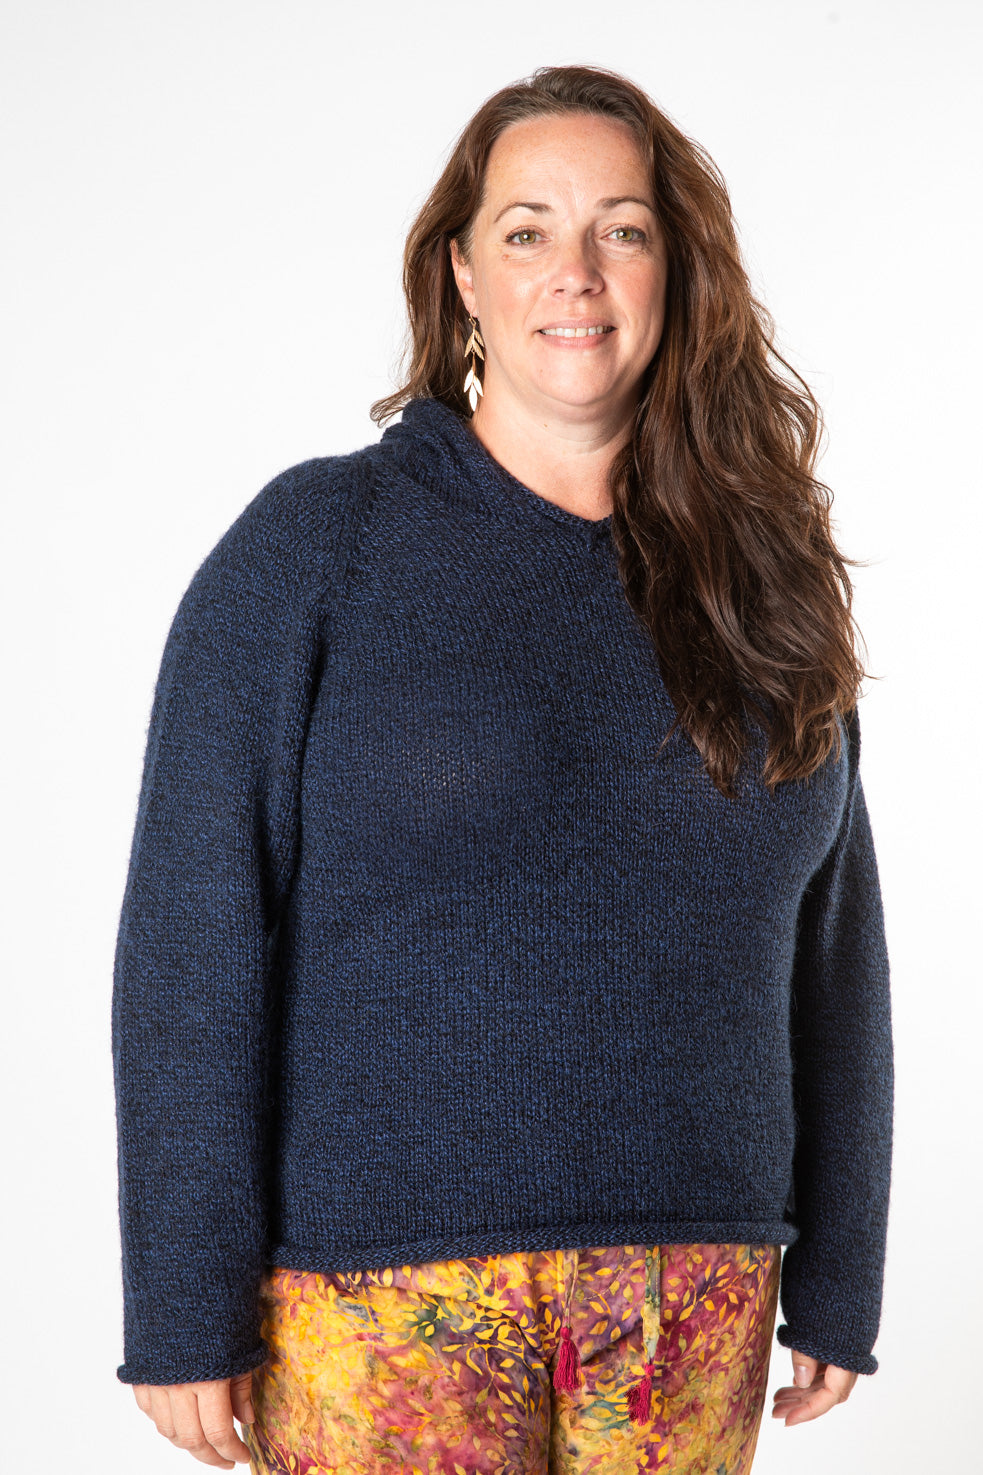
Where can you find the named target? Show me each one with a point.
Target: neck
(565, 458)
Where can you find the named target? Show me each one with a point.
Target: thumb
(804, 1369)
(240, 1394)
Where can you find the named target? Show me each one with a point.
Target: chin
(582, 396)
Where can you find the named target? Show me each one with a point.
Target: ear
(464, 278)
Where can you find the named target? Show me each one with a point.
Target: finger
(808, 1405)
(189, 1434)
(841, 1381)
(807, 1373)
(804, 1369)
(160, 1410)
(141, 1393)
(837, 1381)
(215, 1415)
(798, 1395)
(789, 1398)
(241, 1394)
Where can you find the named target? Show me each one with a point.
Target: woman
(501, 978)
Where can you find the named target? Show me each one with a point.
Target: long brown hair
(723, 534)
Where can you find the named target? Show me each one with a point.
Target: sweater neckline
(439, 448)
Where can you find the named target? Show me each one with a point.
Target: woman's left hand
(818, 1387)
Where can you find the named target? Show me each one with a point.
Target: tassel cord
(567, 1375)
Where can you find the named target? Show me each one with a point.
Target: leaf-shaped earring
(472, 384)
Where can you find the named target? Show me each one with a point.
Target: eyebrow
(606, 204)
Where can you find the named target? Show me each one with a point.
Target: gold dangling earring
(472, 384)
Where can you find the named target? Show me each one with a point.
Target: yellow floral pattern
(446, 1368)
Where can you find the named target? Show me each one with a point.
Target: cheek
(508, 292)
(649, 298)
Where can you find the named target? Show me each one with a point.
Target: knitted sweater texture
(426, 950)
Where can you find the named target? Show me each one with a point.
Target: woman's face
(566, 235)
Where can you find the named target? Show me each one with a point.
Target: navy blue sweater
(427, 951)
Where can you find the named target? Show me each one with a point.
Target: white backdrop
(205, 206)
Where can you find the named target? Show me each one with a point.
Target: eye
(625, 230)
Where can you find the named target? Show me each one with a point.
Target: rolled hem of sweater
(826, 1351)
(163, 1374)
(351, 1255)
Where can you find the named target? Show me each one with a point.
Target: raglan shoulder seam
(288, 545)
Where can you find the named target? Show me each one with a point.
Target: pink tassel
(640, 1397)
(567, 1375)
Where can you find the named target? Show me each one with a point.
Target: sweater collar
(436, 447)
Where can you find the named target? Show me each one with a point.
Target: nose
(574, 267)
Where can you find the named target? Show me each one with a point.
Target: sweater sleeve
(841, 1037)
(193, 1007)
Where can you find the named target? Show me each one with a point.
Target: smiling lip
(576, 323)
(580, 338)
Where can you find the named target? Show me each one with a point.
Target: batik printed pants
(448, 1368)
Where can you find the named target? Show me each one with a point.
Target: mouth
(598, 331)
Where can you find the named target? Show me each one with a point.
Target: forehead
(572, 150)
